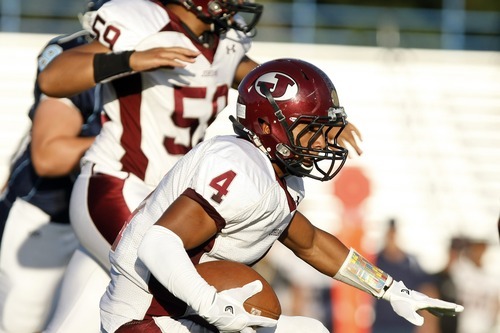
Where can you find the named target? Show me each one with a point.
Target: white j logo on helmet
(281, 86)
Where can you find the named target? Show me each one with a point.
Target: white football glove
(228, 314)
(405, 302)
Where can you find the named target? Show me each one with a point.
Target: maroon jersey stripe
(129, 97)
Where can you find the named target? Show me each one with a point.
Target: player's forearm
(68, 74)
(327, 253)
(163, 253)
(322, 250)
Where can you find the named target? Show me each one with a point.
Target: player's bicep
(299, 235)
(185, 215)
(244, 67)
(54, 119)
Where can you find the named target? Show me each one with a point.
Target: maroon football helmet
(285, 93)
(221, 13)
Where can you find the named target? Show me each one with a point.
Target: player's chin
(307, 165)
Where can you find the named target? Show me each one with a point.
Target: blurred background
(435, 24)
(421, 80)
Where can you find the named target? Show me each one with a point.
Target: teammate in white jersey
(232, 198)
(152, 118)
(167, 67)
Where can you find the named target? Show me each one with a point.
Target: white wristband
(163, 253)
(358, 272)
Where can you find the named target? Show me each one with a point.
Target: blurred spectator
(446, 285)
(499, 227)
(301, 292)
(478, 289)
(395, 261)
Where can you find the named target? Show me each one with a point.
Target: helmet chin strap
(245, 132)
(277, 111)
(281, 148)
(207, 38)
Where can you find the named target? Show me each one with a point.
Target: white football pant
(33, 257)
(83, 285)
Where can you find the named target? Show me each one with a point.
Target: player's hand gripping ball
(225, 275)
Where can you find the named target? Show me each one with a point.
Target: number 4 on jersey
(220, 184)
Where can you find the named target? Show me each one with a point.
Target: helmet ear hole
(266, 128)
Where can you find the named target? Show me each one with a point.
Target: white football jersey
(153, 118)
(237, 186)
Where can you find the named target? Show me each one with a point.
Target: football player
(166, 69)
(36, 238)
(232, 198)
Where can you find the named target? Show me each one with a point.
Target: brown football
(225, 275)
